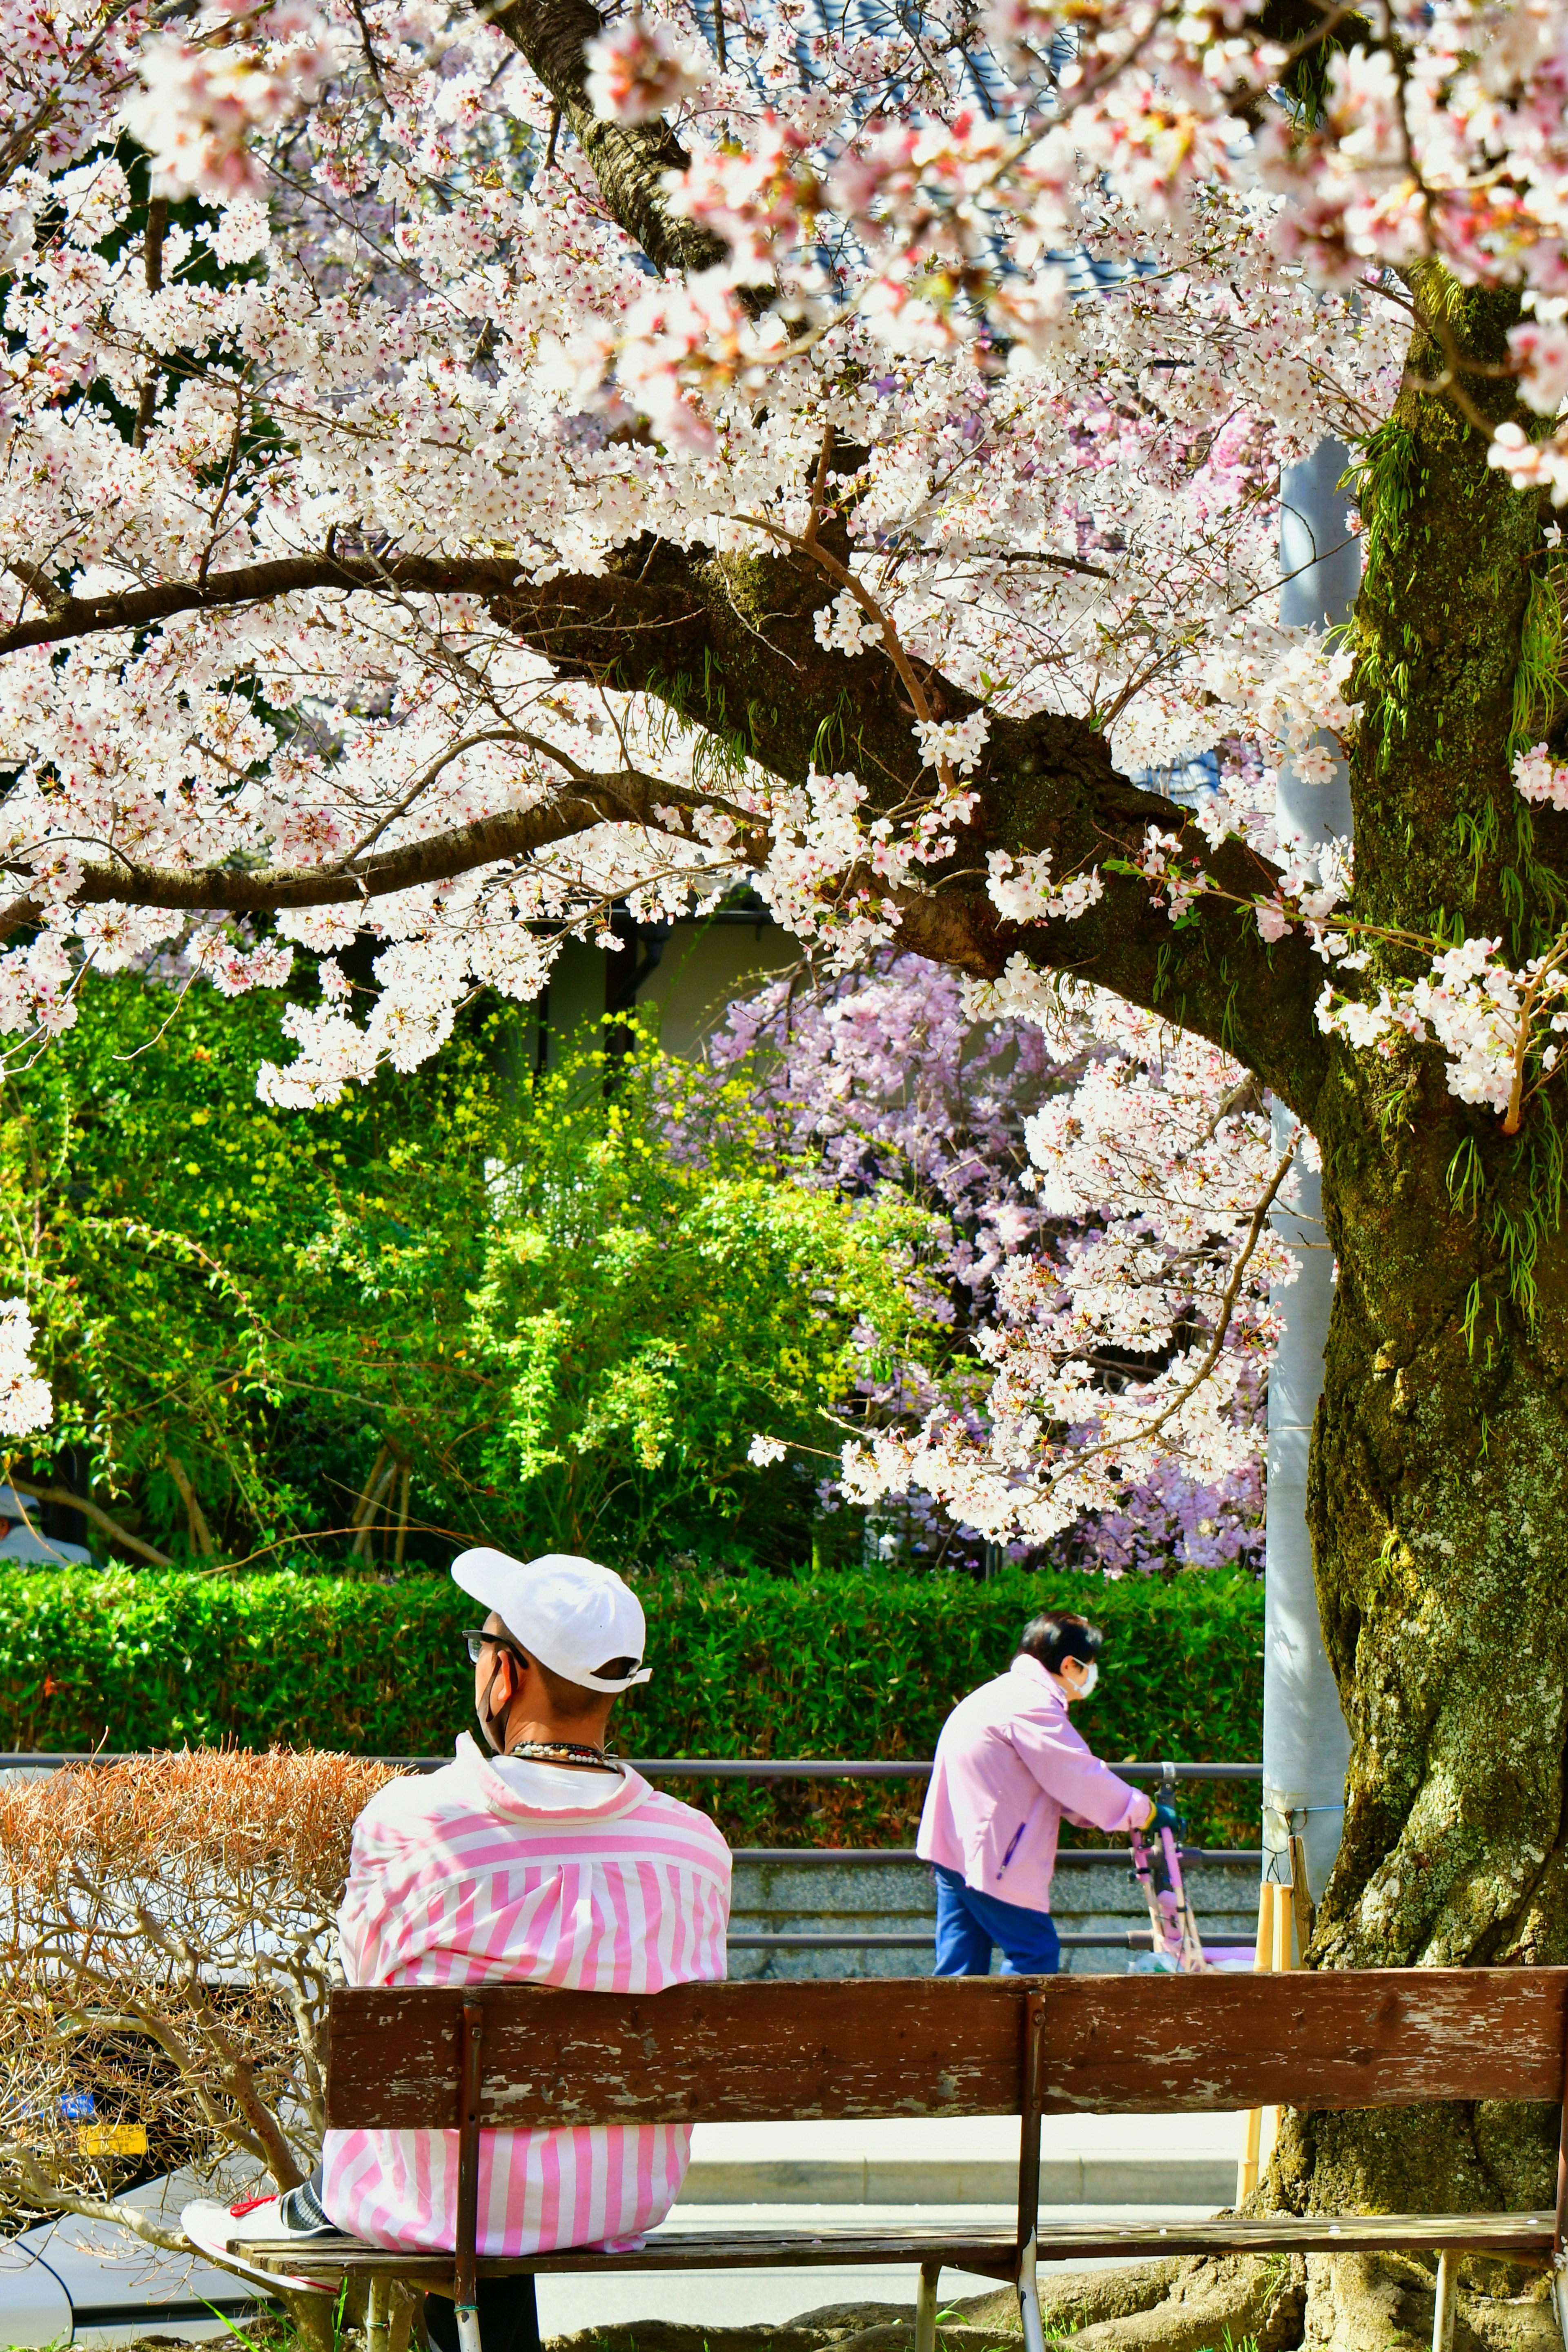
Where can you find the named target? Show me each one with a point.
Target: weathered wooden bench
(1029, 2046)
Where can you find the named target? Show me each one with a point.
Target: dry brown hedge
(167, 1946)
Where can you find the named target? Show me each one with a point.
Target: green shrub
(854, 1665)
(643, 1314)
(451, 1296)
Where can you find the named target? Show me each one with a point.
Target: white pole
(1306, 1746)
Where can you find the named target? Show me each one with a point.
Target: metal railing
(1131, 1939)
(807, 1767)
(680, 1768)
(1067, 1855)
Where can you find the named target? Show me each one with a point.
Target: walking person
(1010, 1767)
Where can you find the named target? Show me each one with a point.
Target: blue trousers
(969, 1923)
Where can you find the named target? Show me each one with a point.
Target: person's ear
(499, 1692)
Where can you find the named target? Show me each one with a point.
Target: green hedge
(852, 1664)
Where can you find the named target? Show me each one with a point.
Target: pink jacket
(1009, 1765)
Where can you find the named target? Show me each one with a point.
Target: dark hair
(1060, 1635)
(572, 1700)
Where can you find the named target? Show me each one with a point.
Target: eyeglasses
(476, 1637)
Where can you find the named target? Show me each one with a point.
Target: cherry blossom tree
(464, 470)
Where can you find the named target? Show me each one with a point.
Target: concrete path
(860, 2174)
(94, 2284)
(931, 2161)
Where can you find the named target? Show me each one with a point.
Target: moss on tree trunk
(1439, 1480)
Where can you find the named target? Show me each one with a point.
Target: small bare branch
(99, 1518)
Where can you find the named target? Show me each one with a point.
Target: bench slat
(697, 2052)
(992, 2253)
(1325, 2038)
(743, 2053)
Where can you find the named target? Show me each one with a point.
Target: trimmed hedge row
(852, 1664)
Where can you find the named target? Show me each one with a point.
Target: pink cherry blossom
(636, 69)
(1007, 340)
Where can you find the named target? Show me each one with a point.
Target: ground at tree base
(1345, 2303)
(1185, 2303)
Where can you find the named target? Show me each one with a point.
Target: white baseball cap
(570, 1614)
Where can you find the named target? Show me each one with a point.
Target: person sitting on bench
(1009, 1769)
(546, 1863)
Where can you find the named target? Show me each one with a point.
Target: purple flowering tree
(888, 1076)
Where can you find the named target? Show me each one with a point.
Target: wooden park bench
(523, 2055)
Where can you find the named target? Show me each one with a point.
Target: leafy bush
(455, 1297)
(853, 1665)
(234, 1302)
(651, 1301)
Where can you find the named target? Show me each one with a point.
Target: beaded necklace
(566, 1751)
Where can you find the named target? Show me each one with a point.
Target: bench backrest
(949, 2046)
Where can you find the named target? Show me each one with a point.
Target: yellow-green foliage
(566, 1305)
(656, 1295)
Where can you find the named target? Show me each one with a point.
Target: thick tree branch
(256, 583)
(272, 889)
(628, 160)
(728, 643)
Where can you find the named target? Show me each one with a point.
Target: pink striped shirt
(456, 1879)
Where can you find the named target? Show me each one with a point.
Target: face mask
(486, 1721)
(1090, 1677)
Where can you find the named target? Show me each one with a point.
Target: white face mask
(1081, 1690)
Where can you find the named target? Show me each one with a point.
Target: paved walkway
(928, 2160)
(860, 2174)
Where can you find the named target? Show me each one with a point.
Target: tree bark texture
(1439, 1468)
(628, 160)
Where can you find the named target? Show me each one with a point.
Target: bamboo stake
(1246, 2170)
(201, 1533)
(1282, 1957)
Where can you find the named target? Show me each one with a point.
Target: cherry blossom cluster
(1128, 1348)
(636, 69)
(1022, 890)
(25, 1403)
(1498, 1026)
(244, 70)
(1540, 778)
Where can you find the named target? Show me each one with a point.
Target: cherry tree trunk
(1438, 1485)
